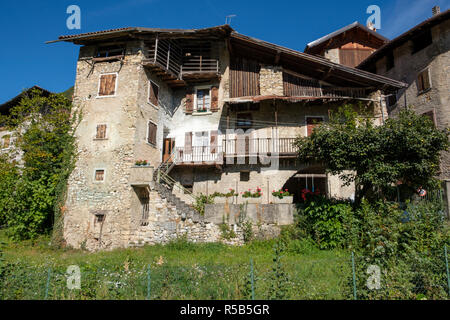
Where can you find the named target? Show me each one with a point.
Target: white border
(104, 175)
(99, 81)
(306, 122)
(148, 92)
(146, 136)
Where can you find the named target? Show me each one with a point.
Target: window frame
(306, 122)
(148, 132)
(100, 81)
(149, 91)
(106, 131)
(427, 71)
(2, 148)
(95, 175)
(208, 110)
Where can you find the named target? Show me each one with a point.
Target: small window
(311, 123)
(151, 133)
(423, 81)
(101, 131)
(203, 100)
(244, 121)
(431, 115)
(107, 85)
(100, 175)
(391, 101)
(244, 176)
(390, 61)
(422, 41)
(6, 141)
(110, 51)
(153, 93)
(99, 217)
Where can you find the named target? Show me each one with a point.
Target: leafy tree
(405, 150)
(33, 188)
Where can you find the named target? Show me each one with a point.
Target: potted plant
(228, 197)
(252, 197)
(141, 163)
(282, 196)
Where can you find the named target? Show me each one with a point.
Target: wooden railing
(235, 147)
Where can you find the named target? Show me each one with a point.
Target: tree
(405, 150)
(34, 186)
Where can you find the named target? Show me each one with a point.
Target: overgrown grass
(179, 270)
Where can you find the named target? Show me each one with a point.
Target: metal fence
(349, 277)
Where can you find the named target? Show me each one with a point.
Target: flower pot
(288, 199)
(250, 200)
(220, 200)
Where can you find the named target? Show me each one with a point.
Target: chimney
(436, 10)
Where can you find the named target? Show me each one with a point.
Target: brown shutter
(188, 142)
(213, 141)
(107, 85)
(214, 99)
(152, 128)
(154, 91)
(101, 131)
(189, 104)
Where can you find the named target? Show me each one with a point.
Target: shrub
(200, 202)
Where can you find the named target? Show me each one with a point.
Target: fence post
(354, 277)
(252, 278)
(148, 282)
(446, 266)
(48, 283)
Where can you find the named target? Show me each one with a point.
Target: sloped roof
(408, 35)
(336, 33)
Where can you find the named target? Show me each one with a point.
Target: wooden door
(169, 144)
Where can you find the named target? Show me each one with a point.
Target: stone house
(420, 57)
(209, 110)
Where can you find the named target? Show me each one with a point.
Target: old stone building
(420, 57)
(169, 114)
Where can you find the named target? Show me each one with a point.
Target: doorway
(168, 147)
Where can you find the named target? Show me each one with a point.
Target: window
(100, 175)
(423, 81)
(422, 41)
(153, 92)
(99, 217)
(311, 123)
(391, 101)
(6, 141)
(203, 100)
(244, 176)
(431, 115)
(244, 121)
(108, 83)
(151, 133)
(101, 131)
(201, 139)
(110, 51)
(389, 61)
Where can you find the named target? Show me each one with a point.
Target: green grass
(179, 270)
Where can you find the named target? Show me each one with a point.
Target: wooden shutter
(213, 141)
(153, 94)
(188, 142)
(99, 175)
(189, 104)
(244, 77)
(214, 99)
(152, 128)
(311, 123)
(107, 85)
(101, 131)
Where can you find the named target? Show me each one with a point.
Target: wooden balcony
(176, 62)
(239, 147)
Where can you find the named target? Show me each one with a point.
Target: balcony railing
(238, 147)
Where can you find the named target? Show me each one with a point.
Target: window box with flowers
(282, 196)
(230, 197)
(141, 163)
(251, 197)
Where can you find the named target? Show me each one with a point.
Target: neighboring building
(348, 46)
(7, 137)
(420, 57)
(175, 99)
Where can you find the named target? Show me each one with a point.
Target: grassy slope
(318, 273)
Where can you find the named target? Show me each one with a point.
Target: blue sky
(26, 60)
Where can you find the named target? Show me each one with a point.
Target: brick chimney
(436, 10)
